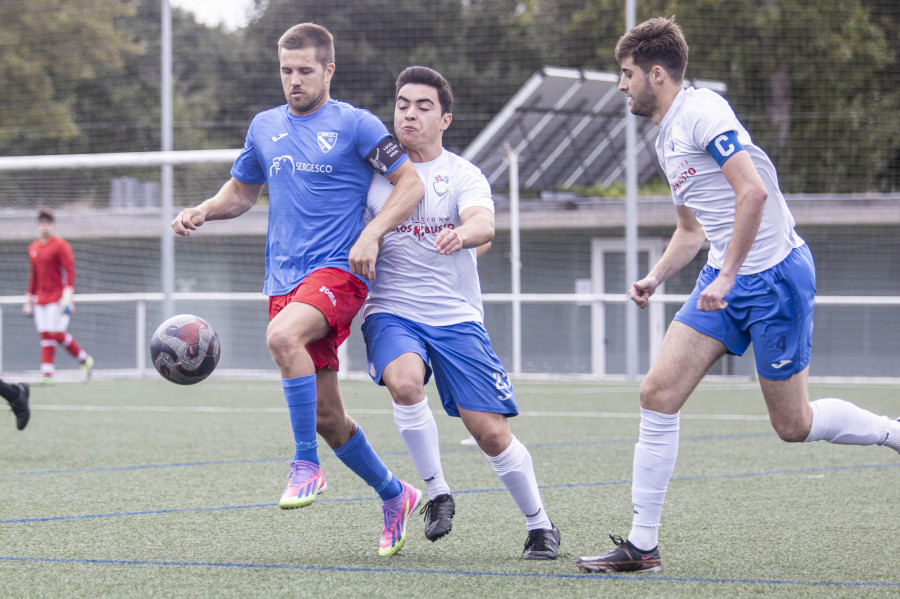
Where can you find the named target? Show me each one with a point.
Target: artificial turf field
(147, 489)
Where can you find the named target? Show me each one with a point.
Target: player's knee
(493, 440)
(791, 432)
(281, 344)
(407, 391)
(652, 395)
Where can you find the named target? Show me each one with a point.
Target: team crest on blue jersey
(327, 140)
(282, 162)
(441, 184)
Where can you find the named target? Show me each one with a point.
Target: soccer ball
(185, 349)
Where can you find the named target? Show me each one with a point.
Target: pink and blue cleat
(396, 513)
(305, 482)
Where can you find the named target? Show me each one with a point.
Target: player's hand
(641, 291)
(712, 298)
(28, 307)
(448, 241)
(188, 220)
(363, 255)
(66, 302)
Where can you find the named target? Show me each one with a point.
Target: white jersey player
(424, 315)
(758, 285)
(414, 278)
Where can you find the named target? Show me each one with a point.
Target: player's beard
(645, 103)
(306, 104)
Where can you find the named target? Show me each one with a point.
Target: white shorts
(51, 318)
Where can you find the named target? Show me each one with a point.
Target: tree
(808, 79)
(480, 46)
(47, 49)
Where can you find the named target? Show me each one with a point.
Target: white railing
(596, 300)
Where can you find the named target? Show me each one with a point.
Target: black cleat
(20, 406)
(438, 516)
(624, 558)
(542, 543)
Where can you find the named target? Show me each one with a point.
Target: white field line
(381, 412)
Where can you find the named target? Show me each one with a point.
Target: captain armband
(724, 146)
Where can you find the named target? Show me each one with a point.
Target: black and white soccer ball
(185, 349)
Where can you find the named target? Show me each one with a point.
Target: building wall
(849, 341)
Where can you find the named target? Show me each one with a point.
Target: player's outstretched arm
(406, 195)
(684, 245)
(232, 200)
(477, 229)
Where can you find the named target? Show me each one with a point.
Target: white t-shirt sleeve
(474, 191)
(711, 118)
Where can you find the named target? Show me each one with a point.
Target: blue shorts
(467, 372)
(773, 309)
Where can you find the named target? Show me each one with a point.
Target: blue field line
(327, 456)
(465, 492)
(142, 467)
(592, 577)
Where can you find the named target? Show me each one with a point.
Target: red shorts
(338, 295)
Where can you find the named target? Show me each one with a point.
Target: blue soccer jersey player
(758, 285)
(317, 156)
(424, 315)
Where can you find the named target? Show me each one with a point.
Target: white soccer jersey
(414, 281)
(696, 119)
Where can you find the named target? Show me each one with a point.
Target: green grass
(145, 495)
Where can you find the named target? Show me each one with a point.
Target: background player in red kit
(49, 297)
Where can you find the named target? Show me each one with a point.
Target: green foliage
(656, 187)
(44, 61)
(817, 84)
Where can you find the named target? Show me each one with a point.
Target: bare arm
(232, 200)
(684, 245)
(750, 201)
(476, 230)
(406, 195)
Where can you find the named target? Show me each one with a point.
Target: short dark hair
(45, 215)
(430, 77)
(305, 35)
(657, 41)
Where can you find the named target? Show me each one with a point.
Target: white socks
(515, 468)
(838, 421)
(834, 420)
(654, 462)
(419, 432)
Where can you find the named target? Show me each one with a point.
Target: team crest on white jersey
(441, 184)
(326, 140)
(282, 162)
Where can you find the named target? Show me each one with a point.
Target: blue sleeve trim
(724, 146)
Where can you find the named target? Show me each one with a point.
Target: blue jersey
(318, 169)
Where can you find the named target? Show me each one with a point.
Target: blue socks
(300, 394)
(356, 454)
(359, 457)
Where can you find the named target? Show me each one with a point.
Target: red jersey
(52, 269)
